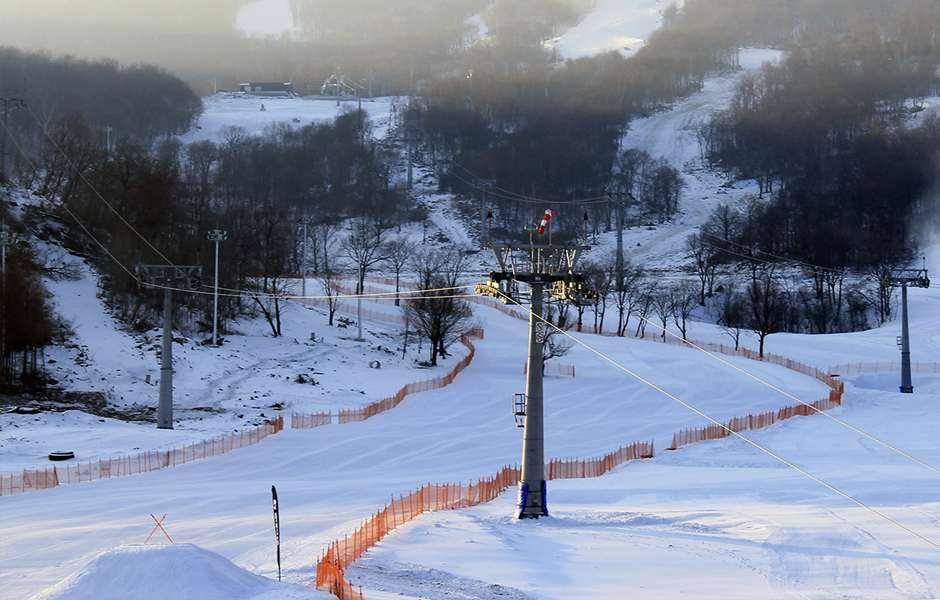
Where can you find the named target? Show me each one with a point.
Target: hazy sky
(265, 17)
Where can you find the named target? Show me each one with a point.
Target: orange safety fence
(352, 415)
(340, 554)
(752, 422)
(825, 377)
(144, 462)
(882, 367)
(585, 469)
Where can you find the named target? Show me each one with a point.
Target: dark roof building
(253, 88)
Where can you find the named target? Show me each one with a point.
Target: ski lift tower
(538, 266)
(903, 279)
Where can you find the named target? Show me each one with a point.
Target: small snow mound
(180, 572)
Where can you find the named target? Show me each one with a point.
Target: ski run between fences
(341, 553)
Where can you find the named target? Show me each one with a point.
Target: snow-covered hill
(225, 111)
(671, 134)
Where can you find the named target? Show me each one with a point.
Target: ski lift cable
(513, 196)
(887, 445)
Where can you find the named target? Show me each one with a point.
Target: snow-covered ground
(613, 25)
(251, 378)
(225, 111)
(179, 571)
(332, 477)
(717, 520)
(713, 520)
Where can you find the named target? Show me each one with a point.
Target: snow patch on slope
(614, 25)
(225, 111)
(672, 134)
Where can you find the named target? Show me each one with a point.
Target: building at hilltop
(268, 90)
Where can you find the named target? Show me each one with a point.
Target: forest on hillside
(831, 134)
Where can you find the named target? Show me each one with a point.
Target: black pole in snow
(277, 529)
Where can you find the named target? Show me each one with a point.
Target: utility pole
(907, 278)
(168, 277)
(303, 260)
(411, 164)
(8, 105)
(218, 236)
(619, 240)
(485, 185)
(359, 337)
(538, 266)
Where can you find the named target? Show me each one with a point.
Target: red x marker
(159, 525)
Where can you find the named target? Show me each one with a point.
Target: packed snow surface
(717, 520)
(720, 518)
(458, 433)
(613, 25)
(252, 377)
(225, 113)
(161, 572)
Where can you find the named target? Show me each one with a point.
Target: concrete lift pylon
(537, 266)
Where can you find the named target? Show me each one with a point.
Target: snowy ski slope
(457, 433)
(671, 134)
(721, 514)
(225, 111)
(613, 25)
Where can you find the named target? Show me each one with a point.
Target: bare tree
(646, 303)
(324, 245)
(732, 314)
(331, 286)
(628, 294)
(267, 294)
(767, 303)
(682, 301)
(556, 344)
(599, 279)
(363, 248)
(397, 254)
(880, 294)
(823, 302)
(662, 305)
(437, 315)
(705, 260)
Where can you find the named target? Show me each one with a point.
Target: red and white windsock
(546, 218)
